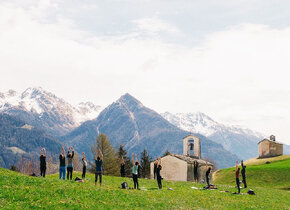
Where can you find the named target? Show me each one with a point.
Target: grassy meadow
(19, 191)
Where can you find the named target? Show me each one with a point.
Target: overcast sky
(228, 59)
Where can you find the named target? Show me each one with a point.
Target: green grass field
(21, 191)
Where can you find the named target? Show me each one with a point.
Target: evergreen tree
(110, 159)
(145, 164)
(128, 164)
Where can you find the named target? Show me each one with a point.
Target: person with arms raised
(135, 171)
(62, 164)
(69, 167)
(99, 167)
(84, 161)
(42, 162)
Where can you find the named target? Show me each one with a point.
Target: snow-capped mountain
(236, 139)
(41, 108)
(128, 122)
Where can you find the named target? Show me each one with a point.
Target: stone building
(270, 148)
(178, 167)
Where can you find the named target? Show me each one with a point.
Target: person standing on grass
(42, 162)
(99, 166)
(84, 161)
(195, 167)
(155, 167)
(62, 164)
(207, 173)
(243, 172)
(69, 167)
(158, 169)
(122, 170)
(135, 171)
(238, 176)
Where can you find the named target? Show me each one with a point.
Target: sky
(228, 59)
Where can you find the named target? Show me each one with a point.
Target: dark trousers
(84, 172)
(42, 171)
(159, 182)
(195, 175)
(69, 173)
(99, 173)
(238, 184)
(122, 173)
(207, 181)
(244, 181)
(135, 180)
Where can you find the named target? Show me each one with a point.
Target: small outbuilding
(270, 148)
(178, 167)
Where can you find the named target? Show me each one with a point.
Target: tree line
(113, 157)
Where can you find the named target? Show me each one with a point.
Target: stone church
(270, 148)
(178, 167)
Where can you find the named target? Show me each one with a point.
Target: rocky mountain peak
(129, 101)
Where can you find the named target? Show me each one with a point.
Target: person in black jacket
(155, 167)
(42, 162)
(195, 167)
(158, 175)
(244, 173)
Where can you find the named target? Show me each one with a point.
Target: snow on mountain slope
(241, 141)
(42, 107)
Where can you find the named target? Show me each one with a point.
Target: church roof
(270, 141)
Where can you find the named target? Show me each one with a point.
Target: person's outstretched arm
(41, 152)
(73, 152)
(44, 150)
(136, 157)
(242, 163)
(159, 161)
(133, 159)
(101, 154)
(237, 165)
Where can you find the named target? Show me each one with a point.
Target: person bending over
(158, 175)
(208, 170)
(84, 161)
(237, 176)
(69, 167)
(99, 166)
(135, 171)
(62, 164)
(42, 162)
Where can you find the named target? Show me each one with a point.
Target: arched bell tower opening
(191, 146)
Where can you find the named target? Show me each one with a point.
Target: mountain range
(126, 121)
(240, 141)
(41, 108)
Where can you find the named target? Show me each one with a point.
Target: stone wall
(270, 149)
(172, 169)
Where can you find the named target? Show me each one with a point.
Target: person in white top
(84, 161)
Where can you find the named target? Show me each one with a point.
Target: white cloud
(154, 25)
(236, 75)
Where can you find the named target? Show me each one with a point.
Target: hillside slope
(21, 192)
(18, 139)
(276, 174)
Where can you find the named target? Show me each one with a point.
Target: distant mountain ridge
(43, 109)
(240, 141)
(18, 139)
(127, 121)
